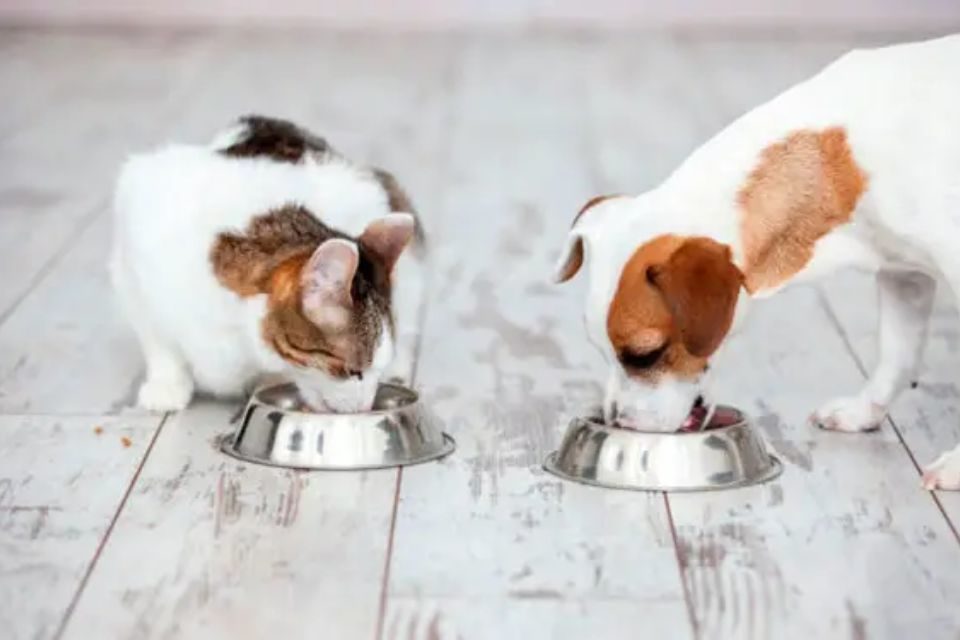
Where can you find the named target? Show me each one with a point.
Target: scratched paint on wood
(66, 349)
(537, 616)
(928, 417)
(237, 550)
(486, 535)
(752, 557)
(59, 155)
(61, 481)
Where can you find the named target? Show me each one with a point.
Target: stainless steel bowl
(276, 429)
(727, 453)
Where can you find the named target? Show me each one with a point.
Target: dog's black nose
(698, 402)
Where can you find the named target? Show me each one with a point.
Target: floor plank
(485, 534)
(237, 550)
(61, 479)
(59, 161)
(66, 350)
(928, 418)
(539, 616)
(763, 562)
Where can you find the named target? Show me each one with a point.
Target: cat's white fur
(170, 205)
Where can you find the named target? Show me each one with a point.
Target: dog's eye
(636, 360)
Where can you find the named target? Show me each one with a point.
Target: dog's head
(659, 304)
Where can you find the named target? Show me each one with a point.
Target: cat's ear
(326, 281)
(385, 238)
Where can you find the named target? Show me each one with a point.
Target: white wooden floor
(118, 524)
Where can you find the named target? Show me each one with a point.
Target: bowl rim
(255, 400)
(597, 422)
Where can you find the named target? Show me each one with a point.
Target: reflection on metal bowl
(277, 429)
(727, 453)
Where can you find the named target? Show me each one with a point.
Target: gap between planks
(385, 580)
(848, 345)
(86, 220)
(687, 598)
(450, 81)
(106, 535)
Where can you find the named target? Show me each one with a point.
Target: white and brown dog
(858, 166)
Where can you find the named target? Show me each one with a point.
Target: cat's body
(216, 263)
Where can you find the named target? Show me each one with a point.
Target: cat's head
(329, 316)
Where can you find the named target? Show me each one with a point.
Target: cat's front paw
(165, 394)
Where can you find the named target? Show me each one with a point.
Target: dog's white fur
(900, 107)
(170, 205)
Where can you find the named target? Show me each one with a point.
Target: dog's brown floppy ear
(700, 285)
(571, 258)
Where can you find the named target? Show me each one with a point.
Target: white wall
(430, 14)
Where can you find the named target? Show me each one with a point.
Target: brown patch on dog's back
(676, 294)
(273, 138)
(802, 188)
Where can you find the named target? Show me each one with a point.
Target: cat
(266, 252)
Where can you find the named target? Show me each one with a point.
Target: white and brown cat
(266, 252)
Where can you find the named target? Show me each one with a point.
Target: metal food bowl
(727, 452)
(277, 429)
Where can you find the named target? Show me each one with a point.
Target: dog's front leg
(906, 300)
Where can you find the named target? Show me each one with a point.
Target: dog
(856, 167)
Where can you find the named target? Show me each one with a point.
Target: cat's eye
(639, 360)
(355, 373)
(315, 351)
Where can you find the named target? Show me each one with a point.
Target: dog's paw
(165, 394)
(944, 472)
(849, 414)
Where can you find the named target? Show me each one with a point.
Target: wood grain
(59, 155)
(486, 532)
(536, 616)
(928, 417)
(61, 479)
(66, 350)
(226, 549)
(845, 539)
